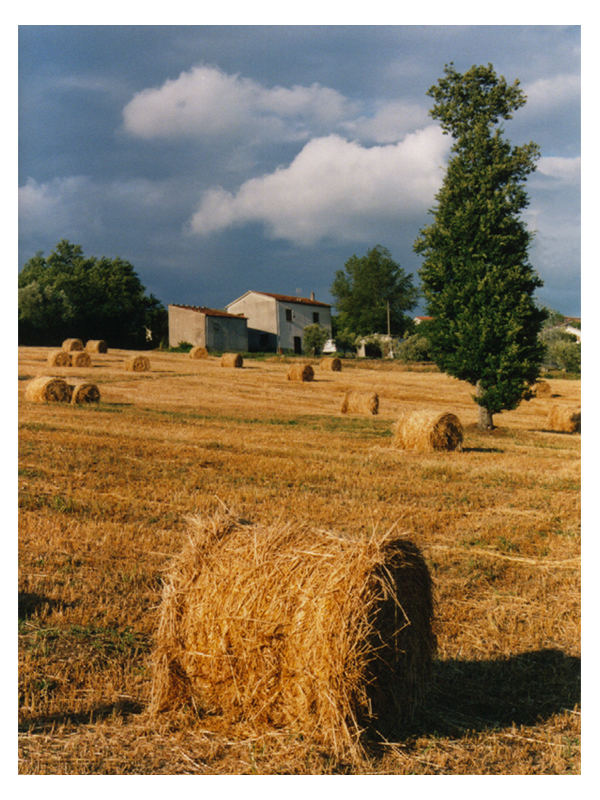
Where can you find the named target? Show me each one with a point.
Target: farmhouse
(277, 321)
(207, 327)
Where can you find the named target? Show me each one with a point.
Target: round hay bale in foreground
(300, 372)
(46, 389)
(232, 360)
(360, 403)
(72, 344)
(198, 352)
(84, 392)
(332, 364)
(137, 364)
(427, 431)
(59, 358)
(564, 420)
(283, 626)
(96, 346)
(81, 359)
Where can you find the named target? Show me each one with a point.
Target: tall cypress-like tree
(476, 277)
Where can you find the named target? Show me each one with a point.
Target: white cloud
(333, 187)
(547, 94)
(390, 122)
(207, 101)
(567, 170)
(46, 207)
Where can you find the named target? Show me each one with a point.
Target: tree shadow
(476, 696)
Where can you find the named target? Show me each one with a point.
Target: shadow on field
(30, 602)
(122, 708)
(483, 695)
(482, 450)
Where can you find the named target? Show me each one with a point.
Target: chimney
(312, 295)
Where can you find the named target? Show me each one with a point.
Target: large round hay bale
(59, 358)
(427, 431)
(300, 372)
(283, 626)
(331, 364)
(81, 359)
(137, 364)
(360, 403)
(96, 346)
(564, 420)
(46, 389)
(84, 392)
(232, 360)
(199, 352)
(72, 344)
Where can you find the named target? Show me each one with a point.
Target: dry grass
(284, 626)
(96, 346)
(232, 360)
(106, 490)
(427, 431)
(72, 344)
(360, 403)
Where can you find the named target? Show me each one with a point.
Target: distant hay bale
(46, 389)
(59, 358)
(300, 372)
(332, 364)
(282, 626)
(137, 364)
(541, 389)
(564, 420)
(360, 403)
(198, 352)
(96, 346)
(72, 344)
(427, 431)
(232, 360)
(81, 359)
(84, 392)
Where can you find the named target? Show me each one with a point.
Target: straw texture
(284, 626)
(331, 364)
(46, 389)
(300, 372)
(564, 420)
(360, 403)
(427, 431)
(137, 364)
(198, 352)
(232, 360)
(96, 346)
(84, 392)
(72, 344)
(81, 359)
(59, 358)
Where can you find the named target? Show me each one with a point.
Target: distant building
(277, 321)
(207, 327)
(419, 320)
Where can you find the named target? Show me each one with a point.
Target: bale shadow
(477, 696)
(122, 708)
(482, 450)
(30, 602)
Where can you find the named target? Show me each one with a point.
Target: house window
(315, 316)
(288, 315)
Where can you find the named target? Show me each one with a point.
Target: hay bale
(284, 626)
(427, 431)
(96, 346)
(59, 358)
(72, 344)
(232, 360)
(564, 420)
(300, 372)
(332, 364)
(198, 352)
(137, 364)
(84, 392)
(541, 389)
(46, 389)
(81, 359)
(360, 403)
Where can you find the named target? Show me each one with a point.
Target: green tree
(476, 277)
(69, 294)
(371, 290)
(313, 339)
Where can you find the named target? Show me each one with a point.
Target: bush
(414, 348)
(314, 338)
(562, 350)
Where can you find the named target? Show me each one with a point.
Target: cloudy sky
(221, 158)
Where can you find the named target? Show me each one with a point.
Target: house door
(297, 345)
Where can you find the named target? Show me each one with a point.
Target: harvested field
(106, 491)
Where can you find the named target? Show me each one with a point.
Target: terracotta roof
(209, 312)
(287, 298)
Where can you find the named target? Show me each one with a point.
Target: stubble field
(105, 493)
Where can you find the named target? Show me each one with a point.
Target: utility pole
(388, 316)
